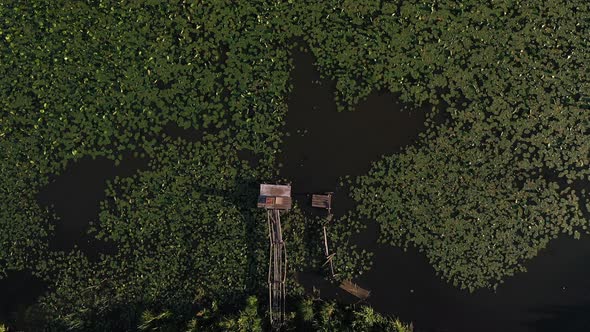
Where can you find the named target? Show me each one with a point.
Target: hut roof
(275, 190)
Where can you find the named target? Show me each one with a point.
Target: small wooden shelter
(322, 201)
(275, 197)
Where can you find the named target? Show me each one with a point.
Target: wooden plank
(328, 256)
(323, 205)
(355, 290)
(275, 190)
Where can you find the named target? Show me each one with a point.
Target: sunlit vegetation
(480, 193)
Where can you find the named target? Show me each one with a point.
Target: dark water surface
(18, 290)
(554, 295)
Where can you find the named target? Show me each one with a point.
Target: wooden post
(328, 256)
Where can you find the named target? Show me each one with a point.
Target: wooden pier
(276, 199)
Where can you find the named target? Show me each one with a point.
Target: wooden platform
(322, 201)
(355, 290)
(279, 203)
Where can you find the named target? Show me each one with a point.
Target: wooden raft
(355, 290)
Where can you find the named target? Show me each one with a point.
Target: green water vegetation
(304, 313)
(308, 314)
(100, 79)
(484, 192)
(186, 234)
(480, 193)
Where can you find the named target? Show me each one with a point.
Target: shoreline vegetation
(480, 193)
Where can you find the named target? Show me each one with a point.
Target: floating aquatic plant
(480, 193)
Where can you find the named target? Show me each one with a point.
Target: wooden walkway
(276, 199)
(277, 269)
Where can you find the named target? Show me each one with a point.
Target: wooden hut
(275, 197)
(322, 201)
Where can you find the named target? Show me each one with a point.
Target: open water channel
(554, 295)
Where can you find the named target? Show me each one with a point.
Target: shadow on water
(324, 145)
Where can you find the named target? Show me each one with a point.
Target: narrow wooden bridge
(276, 199)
